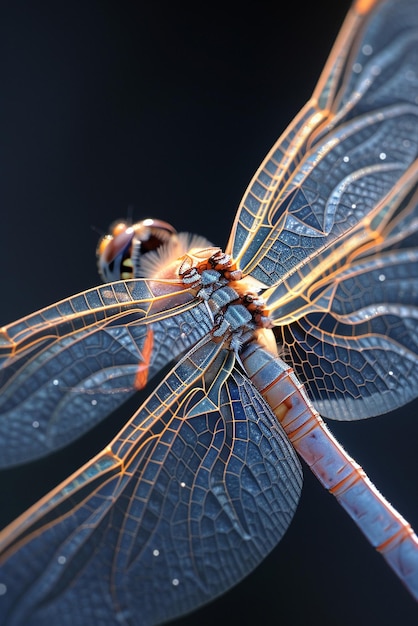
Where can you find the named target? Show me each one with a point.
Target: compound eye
(112, 251)
(153, 233)
(118, 228)
(119, 253)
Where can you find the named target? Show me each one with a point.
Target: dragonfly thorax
(232, 299)
(153, 249)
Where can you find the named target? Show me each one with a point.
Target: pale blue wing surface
(346, 149)
(357, 350)
(344, 152)
(190, 496)
(65, 368)
(311, 224)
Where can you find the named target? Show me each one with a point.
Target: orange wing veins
(141, 377)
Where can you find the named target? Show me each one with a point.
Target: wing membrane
(68, 366)
(356, 346)
(348, 147)
(196, 489)
(329, 222)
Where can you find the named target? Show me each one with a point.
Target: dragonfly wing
(190, 496)
(330, 190)
(357, 350)
(65, 368)
(342, 154)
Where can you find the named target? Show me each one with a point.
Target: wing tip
(364, 6)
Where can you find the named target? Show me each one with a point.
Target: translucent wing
(343, 153)
(357, 349)
(339, 181)
(195, 490)
(65, 368)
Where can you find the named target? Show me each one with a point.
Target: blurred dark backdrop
(169, 110)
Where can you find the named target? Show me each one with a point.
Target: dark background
(169, 110)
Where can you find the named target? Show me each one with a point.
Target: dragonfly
(311, 308)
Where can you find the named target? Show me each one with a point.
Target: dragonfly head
(119, 252)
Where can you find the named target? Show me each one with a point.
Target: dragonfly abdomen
(345, 479)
